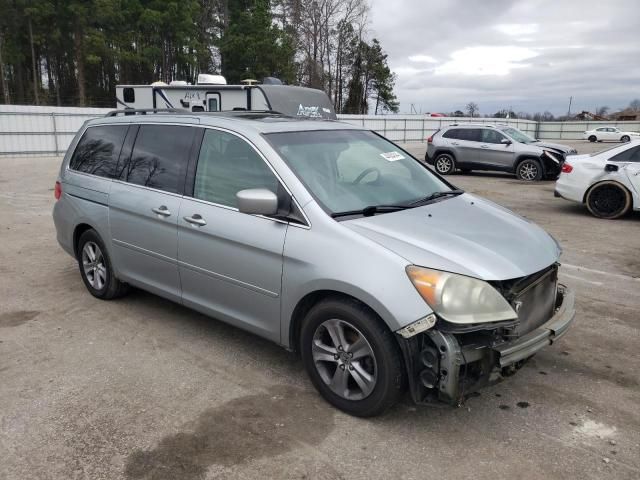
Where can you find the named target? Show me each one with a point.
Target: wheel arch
(601, 182)
(441, 150)
(528, 156)
(306, 303)
(77, 233)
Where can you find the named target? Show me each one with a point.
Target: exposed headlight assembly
(552, 156)
(460, 299)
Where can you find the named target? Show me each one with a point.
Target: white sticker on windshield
(392, 156)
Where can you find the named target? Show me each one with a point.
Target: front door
(230, 263)
(494, 153)
(144, 205)
(633, 169)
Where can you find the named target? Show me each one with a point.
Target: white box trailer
(285, 99)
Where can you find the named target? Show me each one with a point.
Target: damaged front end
(552, 161)
(446, 362)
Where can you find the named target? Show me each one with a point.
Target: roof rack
(463, 124)
(143, 111)
(235, 112)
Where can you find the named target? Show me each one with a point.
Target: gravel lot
(141, 388)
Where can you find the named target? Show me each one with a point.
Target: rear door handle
(484, 146)
(162, 210)
(196, 220)
(455, 143)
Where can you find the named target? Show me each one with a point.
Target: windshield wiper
(435, 195)
(372, 210)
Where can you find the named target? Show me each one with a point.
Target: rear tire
(96, 269)
(363, 375)
(608, 200)
(444, 163)
(625, 139)
(529, 170)
(592, 138)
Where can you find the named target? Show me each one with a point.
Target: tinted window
(129, 95)
(160, 156)
(98, 150)
(226, 165)
(630, 155)
(491, 136)
(453, 133)
(471, 134)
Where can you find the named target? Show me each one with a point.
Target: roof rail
(142, 111)
(463, 124)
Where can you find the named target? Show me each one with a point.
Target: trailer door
(213, 101)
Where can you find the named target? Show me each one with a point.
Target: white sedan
(609, 133)
(607, 182)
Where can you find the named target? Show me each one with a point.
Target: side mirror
(505, 141)
(257, 201)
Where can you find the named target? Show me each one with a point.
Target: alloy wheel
(528, 171)
(93, 265)
(608, 201)
(344, 359)
(444, 164)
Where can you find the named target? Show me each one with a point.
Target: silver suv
(322, 237)
(501, 148)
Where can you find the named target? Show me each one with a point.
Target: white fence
(27, 130)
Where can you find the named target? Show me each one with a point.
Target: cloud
(516, 29)
(497, 60)
(422, 59)
(531, 56)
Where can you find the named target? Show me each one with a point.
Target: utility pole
(569, 111)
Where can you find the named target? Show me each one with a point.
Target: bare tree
(472, 109)
(602, 111)
(635, 104)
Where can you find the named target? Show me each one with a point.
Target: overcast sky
(528, 54)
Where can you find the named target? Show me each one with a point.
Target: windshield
(348, 170)
(518, 136)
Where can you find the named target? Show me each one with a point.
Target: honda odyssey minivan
(320, 236)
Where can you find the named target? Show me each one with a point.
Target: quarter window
(98, 150)
(160, 156)
(228, 164)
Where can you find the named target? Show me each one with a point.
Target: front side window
(351, 169)
(491, 136)
(160, 156)
(98, 150)
(518, 136)
(226, 165)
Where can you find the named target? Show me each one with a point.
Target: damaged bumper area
(447, 363)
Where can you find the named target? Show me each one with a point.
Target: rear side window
(98, 150)
(160, 156)
(453, 133)
(228, 164)
(630, 155)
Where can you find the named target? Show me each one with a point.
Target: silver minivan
(322, 237)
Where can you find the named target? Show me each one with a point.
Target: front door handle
(162, 210)
(455, 143)
(484, 146)
(196, 220)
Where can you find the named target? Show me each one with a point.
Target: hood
(554, 146)
(466, 235)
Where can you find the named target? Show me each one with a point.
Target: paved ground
(141, 388)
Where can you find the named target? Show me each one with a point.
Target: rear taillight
(57, 191)
(430, 139)
(567, 168)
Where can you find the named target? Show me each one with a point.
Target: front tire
(608, 200)
(351, 357)
(625, 139)
(444, 164)
(529, 170)
(593, 138)
(96, 269)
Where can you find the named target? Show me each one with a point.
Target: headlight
(552, 156)
(460, 299)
